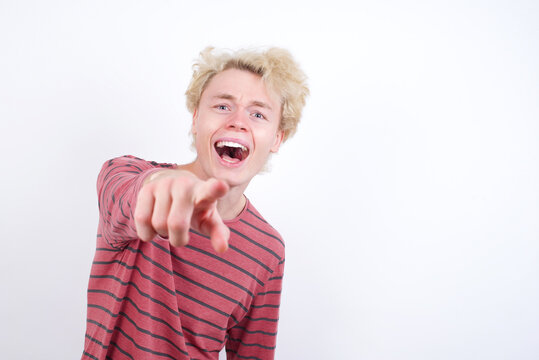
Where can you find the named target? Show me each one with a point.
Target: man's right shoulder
(136, 163)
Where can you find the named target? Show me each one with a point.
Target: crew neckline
(241, 214)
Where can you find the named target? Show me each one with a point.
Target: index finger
(219, 233)
(208, 192)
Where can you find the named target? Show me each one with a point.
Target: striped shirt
(150, 300)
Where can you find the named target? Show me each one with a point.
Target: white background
(409, 199)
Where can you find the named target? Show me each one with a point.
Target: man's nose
(238, 121)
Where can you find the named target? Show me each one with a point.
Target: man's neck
(232, 204)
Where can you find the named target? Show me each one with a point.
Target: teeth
(230, 144)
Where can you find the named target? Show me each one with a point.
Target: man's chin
(234, 177)
(234, 181)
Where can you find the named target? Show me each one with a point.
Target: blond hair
(276, 67)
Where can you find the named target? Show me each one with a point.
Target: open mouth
(231, 152)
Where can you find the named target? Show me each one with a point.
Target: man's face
(236, 126)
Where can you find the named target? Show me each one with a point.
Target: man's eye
(259, 115)
(222, 107)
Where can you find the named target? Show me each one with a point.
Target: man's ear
(278, 140)
(193, 125)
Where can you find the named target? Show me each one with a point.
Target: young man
(184, 264)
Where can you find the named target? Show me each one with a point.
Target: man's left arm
(255, 336)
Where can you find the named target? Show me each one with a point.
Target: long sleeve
(118, 184)
(150, 299)
(254, 337)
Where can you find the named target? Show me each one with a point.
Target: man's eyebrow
(262, 104)
(225, 96)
